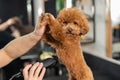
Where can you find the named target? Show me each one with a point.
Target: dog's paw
(50, 18)
(42, 18)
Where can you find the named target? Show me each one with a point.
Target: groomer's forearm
(21, 45)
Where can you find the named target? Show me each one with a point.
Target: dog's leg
(47, 36)
(55, 28)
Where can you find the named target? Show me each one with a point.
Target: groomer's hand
(35, 72)
(40, 27)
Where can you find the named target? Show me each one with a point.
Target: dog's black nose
(69, 30)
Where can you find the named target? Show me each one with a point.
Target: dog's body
(64, 34)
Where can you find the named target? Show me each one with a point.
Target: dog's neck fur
(74, 61)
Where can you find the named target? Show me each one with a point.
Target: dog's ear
(84, 30)
(84, 25)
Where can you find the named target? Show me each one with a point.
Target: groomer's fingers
(38, 70)
(25, 71)
(32, 70)
(42, 74)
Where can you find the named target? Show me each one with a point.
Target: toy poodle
(64, 34)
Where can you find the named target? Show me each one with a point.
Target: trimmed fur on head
(72, 18)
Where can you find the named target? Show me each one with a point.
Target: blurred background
(101, 46)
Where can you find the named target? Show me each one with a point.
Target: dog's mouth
(71, 32)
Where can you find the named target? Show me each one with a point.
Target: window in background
(115, 16)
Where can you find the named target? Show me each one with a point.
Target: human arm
(21, 45)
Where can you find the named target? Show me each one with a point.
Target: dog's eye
(75, 23)
(65, 22)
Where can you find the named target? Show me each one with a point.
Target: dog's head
(73, 21)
